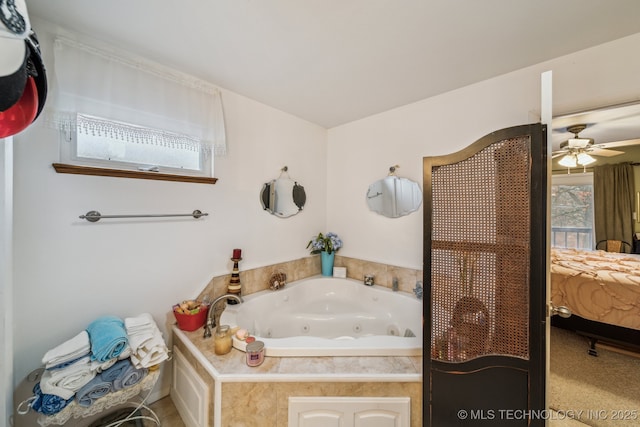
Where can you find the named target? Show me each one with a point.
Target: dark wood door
(485, 282)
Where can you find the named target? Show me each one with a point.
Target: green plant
(325, 243)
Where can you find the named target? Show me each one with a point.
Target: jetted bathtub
(327, 316)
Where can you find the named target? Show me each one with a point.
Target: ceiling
(615, 126)
(335, 61)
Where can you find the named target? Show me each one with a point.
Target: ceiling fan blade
(557, 154)
(604, 152)
(624, 143)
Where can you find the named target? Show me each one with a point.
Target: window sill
(87, 170)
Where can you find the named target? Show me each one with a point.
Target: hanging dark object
(23, 81)
(14, 29)
(21, 114)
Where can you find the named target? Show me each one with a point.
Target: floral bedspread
(597, 285)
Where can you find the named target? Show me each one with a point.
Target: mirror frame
(279, 203)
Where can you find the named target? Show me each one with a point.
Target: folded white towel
(69, 350)
(64, 382)
(141, 323)
(145, 339)
(152, 352)
(103, 366)
(126, 353)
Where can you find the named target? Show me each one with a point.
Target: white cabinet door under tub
(189, 392)
(349, 411)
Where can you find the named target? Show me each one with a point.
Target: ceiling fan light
(568, 161)
(585, 159)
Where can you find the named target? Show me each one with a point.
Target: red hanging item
(22, 113)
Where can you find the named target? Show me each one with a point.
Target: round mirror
(394, 197)
(283, 197)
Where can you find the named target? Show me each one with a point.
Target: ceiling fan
(580, 151)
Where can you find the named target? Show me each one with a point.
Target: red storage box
(191, 322)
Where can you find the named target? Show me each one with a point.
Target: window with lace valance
(119, 111)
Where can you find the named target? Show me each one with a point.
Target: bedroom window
(572, 211)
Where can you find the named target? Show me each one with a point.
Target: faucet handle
(207, 329)
(418, 290)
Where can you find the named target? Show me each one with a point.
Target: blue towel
(94, 389)
(116, 370)
(129, 377)
(48, 404)
(108, 338)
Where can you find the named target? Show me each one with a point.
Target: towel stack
(68, 367)
(119, 376)
(147, 346)
(105, 357)
(67, 352)
(48, 404)
(108, 338)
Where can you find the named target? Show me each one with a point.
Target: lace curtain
(119, 87)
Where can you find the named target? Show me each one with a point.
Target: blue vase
(327, 263)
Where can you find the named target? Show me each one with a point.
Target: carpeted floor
(601, 391)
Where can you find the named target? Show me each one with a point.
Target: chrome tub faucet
(212, 323)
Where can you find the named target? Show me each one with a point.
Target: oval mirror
(394, 197)
(283, 197)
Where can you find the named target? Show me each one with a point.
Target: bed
(602, 290)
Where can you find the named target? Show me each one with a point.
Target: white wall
(361, 152)
(6, 277)
(69, 272)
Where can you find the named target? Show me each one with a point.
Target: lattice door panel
(480, 254)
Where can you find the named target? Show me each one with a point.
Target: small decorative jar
(222, 341)
(368, 279)
(255, 353)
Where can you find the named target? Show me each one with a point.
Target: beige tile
(407, 277)
(217, 286)
(379, 365)
(248, 405)
(236, 363)
(252, 281)
(379, 272)
(257, 279)
(417, 363)
(354, 267)
(306, 365)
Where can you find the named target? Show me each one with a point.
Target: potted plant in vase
(327, 246)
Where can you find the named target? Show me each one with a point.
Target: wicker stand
(76, 415)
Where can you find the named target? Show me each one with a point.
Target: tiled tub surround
(258, 396)
(257, 279)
